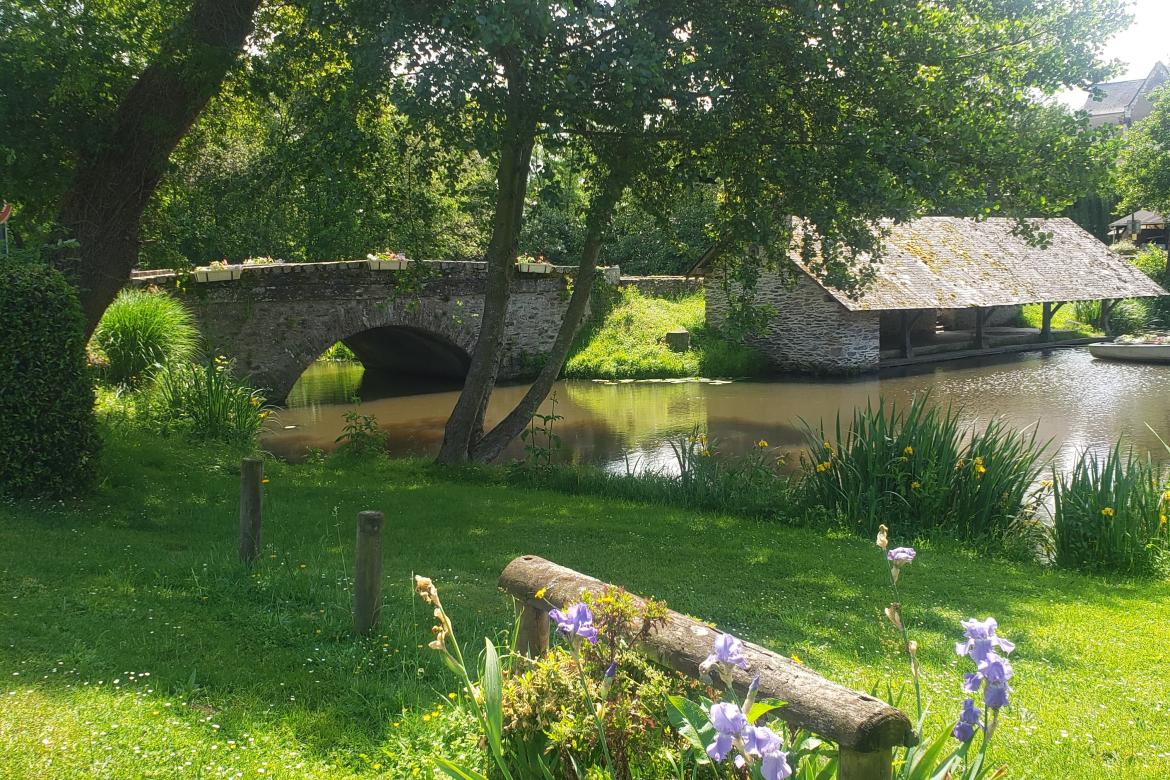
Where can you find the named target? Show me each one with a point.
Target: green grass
(1032, 314)
(628, 342)
(257, 670)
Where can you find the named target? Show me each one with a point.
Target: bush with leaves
(48, 434)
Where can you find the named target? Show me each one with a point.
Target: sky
(1145, 42)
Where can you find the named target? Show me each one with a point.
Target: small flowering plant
(988, 651)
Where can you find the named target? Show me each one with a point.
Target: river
(1075, 401)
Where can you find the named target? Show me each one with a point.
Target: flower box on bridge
(388, 262)
(228, 274)
(534, 268)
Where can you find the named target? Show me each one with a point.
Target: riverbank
(138, 645)
(626, 339)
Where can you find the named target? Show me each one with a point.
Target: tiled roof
(953, 263)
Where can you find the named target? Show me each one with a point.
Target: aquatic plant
(920, 471)
(1110, 514)
(142, 330)
(208, 401)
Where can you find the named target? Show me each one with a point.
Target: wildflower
(981, 639)
(540, 593)
(1108, 512)
(264, 481)
(823, 467)
(1046, 483)
(908, 451)
(883, 537)
(730, 723)
(964, 730)
(254, 401)
(996, 671)
(575, 622)
(1162, 520)
(726, 652)
(829, 448)
(611, 670)
(762, 444)
(916, 485)
(900, 556)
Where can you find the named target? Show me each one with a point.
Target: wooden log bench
(865, 729)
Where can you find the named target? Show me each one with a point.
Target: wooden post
(1106, 310)
(251, 503)
(532, 639)
(980, 330)
(367, 573)
(908, 321)
(855, 765)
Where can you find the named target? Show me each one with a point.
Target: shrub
(142, 330)
(1109, 515)
(920, 472)
(208, 402)
(48, 434)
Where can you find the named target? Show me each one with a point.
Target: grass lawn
(134, 645)
(628, 342)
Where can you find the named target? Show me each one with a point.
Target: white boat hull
(1138, 353)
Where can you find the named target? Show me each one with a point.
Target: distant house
(1140, 227)
(1124, 102)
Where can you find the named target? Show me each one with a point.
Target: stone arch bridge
(275, 320)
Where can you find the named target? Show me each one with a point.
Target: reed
(209, 402)
(921, 472)
(1109, 514)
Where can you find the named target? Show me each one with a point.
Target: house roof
(1141, 216)
(1117, 96)
(955, 263)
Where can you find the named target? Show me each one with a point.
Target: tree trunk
(597, 223)
(465, 424)
(112, 187)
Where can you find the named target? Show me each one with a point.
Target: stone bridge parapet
(274, 320)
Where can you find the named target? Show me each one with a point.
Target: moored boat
(1138, 353)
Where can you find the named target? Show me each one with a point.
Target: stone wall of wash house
(811, 332)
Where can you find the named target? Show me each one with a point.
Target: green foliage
(207, 401)
(1109, 514)
(361, 434)
(1066, 318)
(339, 353)
(142, 330)
(541, 442)
(48, 436)
(920, 472)
(1142, 173)
(628, 342)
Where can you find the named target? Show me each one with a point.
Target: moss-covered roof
(951, 263)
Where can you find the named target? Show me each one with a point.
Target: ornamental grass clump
(207, 401)
(1110, 515)
(141, 331)
(921, 472)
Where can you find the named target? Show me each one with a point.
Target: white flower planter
(217, 274)
(535, 268)
(388, 265)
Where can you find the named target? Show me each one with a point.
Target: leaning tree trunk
(464, 426)
(111, 188)
(597, 223)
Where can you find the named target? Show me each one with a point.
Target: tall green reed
(209, 402)
(142, 330)
(921, 472)
(1109, 514)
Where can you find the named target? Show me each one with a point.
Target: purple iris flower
(730, 723)
(611, 670)
(900, 556)
(727, 650)
(576, 621)
(760, 740)
(996, 671)
(981, 639)
(964, 730)
(774, 766)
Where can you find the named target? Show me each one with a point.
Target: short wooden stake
(251, 502)
(532, 638)
(367, 573)
(855, 765)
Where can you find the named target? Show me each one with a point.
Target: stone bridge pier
(275, 320)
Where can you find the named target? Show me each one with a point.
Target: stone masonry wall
(811, 332)
(663, 286)
(276, 320)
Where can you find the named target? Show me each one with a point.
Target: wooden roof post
(980, 330)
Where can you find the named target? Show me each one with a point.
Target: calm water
(1077, 401)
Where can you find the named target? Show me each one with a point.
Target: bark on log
(854, 720)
